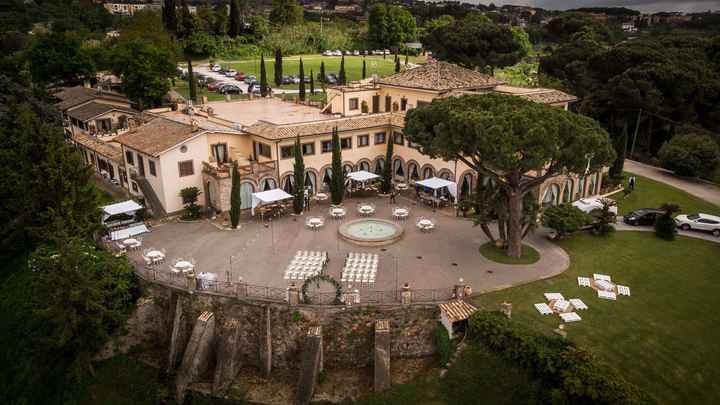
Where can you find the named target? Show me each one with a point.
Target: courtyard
(260, 251)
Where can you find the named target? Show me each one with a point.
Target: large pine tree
(263, 77)
(299, 177)
(301, 86)
(337, 181)
(235, 25)
(620, 145)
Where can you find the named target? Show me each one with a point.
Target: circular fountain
(370, 232)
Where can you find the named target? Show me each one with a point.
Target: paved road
(707, 192)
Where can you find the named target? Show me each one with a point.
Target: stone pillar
(310, 365)
(382, 355)
(506, 308)
(406, 295)
(228, 356)
(266, 344)
(197, 353)
(293, 295)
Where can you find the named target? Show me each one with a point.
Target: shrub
(565, 219)
(690, 154)
(665, 224)
(445, 347)
(605, 219)
(571, 374)
(189, 197)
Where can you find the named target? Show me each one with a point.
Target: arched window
(269, 184)
(327, 177)
(580, 192)
(311, 181)
(466, 186)
(379, 166)
(413, 171)
(591, 185)
(568, 192)
(445, 175)
(552, 195)
(364, 166)
(347, 169)
(398, 168)
(428, 172)
(289, 184)
(246, 190)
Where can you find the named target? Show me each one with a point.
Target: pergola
(436, 183)
(133, 227)
(267, 197)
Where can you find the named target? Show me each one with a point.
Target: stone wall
(219, 191)
(348, 334)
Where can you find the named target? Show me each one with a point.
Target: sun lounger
(578, 304)
(607, 295)
(553, 296)
(623, 290)
(602, 277)
(543, 308)
(584, 281)
(570, 317)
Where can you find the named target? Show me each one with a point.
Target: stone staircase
(150, 197)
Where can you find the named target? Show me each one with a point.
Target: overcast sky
(645, 6)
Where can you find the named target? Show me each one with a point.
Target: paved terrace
(260, 252)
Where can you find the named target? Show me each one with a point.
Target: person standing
(393, 194)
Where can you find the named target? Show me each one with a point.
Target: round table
(321, 196)
(315, 222)
(425, 224)
(155, 254)
(130, 242)
(401, 213)
(366, 209)
(401, 186)
(184, 266)
(337, 212)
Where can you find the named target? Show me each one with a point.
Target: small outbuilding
(454, 315)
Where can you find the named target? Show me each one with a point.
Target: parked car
(642, 216)
(356, 53)
(328, 53)
(286, 79)
(215, 68)
(213, 86)
(230, 72)
(240, 76)
(337, 52)
(295, 79)
(223, 85)
(588, 205)
(306, 79)
(699, 222)
(386, 51)
(254, 88)
(250, 79)
(231, 89)
(331, 78)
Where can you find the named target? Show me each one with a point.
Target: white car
(328, 53)
(700, 222)
(589, 205)
(230, 72)
(215, 68)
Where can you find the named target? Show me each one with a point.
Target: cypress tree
(387, 170)
(322, 72)
(397, 64)
(301, 86)
(337, 182)
(234, 26)
(620, 145)
(169, 14)
(312, 83)
(278, 67)
(364, 72)
(341, 75)
(406, 58)
(235, 198)
(299, 177)
(192, 83)
(263, 77)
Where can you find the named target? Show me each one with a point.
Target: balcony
(250, 169)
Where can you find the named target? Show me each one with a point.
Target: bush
(690, 154)
(565, 219)
(443, 344)
(571, 374)
(189, 197)
(665, 224)
(605, 218)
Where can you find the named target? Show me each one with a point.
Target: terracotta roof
(457, 310)
(72, 96)
(107, 149)
(93, 109)
(538, 95)
(157, 136)
(440, 76)
(273, 131)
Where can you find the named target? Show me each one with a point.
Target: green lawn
(491, 252)
(651, 194)
(665, 337)
(291, 65)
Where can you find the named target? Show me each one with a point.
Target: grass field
(291, 65)
(651, 194)
(664, 337)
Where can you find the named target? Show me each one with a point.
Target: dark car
(286, 79)
(230, 89)
(331, 78)
(643, 216)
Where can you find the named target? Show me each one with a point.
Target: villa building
(194, 146)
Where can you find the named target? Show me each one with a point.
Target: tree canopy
(145, 70)
(390, 26)
(60, 57)
(475, 42)
(286, 12)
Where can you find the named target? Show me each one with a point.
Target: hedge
(443, 344)
(572, 375)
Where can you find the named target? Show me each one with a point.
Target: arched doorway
(398, 168)
(246, 190)
(364, 165)
(379, 165)
(466, 186)
(445, 174)
(268, 184)
(327, 178)
(568, 191)
(289, 184)
(413, 173)
(552, 196)
(428, 172)
(580, 189)
(347, 168)
(311, 181)
(592, 185)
